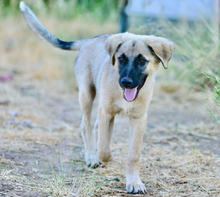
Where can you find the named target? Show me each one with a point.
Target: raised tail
(35, 25)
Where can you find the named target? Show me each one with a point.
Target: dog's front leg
(133, 181)
(105, 128)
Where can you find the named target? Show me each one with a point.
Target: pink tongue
(130, 94)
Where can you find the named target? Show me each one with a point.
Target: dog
(120, 70)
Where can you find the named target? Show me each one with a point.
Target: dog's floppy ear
(112, 45)
(162, 48)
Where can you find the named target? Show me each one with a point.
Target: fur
(97, 69)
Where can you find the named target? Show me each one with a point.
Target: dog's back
(91, 58)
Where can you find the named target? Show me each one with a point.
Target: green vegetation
(214, 80)
(65, 9)
(196, 48)
(196, 62)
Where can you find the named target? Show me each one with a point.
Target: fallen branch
(198, 135)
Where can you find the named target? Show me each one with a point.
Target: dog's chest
(125, 108)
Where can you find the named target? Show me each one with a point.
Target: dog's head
(135, 57)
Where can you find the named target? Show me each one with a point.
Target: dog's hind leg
(86, 98)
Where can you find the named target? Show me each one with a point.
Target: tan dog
(120, 70)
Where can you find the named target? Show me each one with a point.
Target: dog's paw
(92, 160)
(135, 187)
(105, 156)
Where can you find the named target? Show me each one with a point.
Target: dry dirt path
(41, 151)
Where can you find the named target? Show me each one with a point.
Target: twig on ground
(198, 134)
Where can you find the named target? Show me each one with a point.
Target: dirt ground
(41, 150)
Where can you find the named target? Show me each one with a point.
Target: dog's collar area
(131, 94)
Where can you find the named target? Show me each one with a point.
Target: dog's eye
(121, 59)
(142, 61)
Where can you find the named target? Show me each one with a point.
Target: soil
(40, 139)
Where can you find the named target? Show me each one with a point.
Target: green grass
(195, 64)
(65, 9)
(215, 82)
(196, 48)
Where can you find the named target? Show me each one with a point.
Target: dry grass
(41, 152)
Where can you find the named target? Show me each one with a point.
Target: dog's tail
(35, 25)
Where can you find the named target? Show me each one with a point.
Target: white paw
(92, 159)
(134, 185)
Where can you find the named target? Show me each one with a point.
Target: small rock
(27, 123)
(158, 159)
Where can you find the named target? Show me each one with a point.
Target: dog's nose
(126, 82)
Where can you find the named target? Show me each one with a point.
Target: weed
(215, 88)
(195, 63)
(196, 48)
